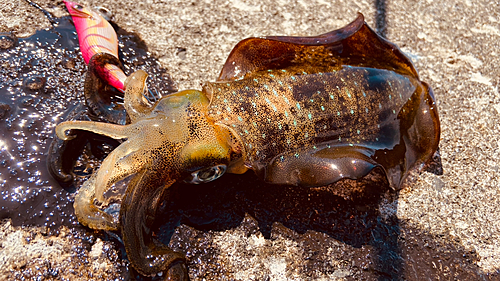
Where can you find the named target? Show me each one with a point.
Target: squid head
(166, 142)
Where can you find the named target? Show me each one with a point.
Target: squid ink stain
(42, 82)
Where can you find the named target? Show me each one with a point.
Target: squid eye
(207, 174)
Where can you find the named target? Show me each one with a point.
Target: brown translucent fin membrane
(356, 42)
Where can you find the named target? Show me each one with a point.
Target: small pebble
(34, 83)
(4, 110)
(7, 40)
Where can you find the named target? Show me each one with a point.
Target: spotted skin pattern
(310, 108)
(313, 109)
(305, 111)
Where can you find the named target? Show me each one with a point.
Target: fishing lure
(97, 36)
(305, 111)
(104, 84)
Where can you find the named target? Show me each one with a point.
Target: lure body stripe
(96, 35)
(116, 77)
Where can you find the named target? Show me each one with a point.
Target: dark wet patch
(42, 81)
(438, 257)
(4, 110)
(371, 247)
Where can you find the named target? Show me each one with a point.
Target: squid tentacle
(87, 213)
(120, 163)
(147, 255)
(117, 166)
(106, 129)
(135, 102)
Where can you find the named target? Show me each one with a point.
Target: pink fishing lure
(96, 35)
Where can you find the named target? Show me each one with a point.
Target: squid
(305, 111)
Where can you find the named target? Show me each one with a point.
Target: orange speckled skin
(297, 110)
(317, 110)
